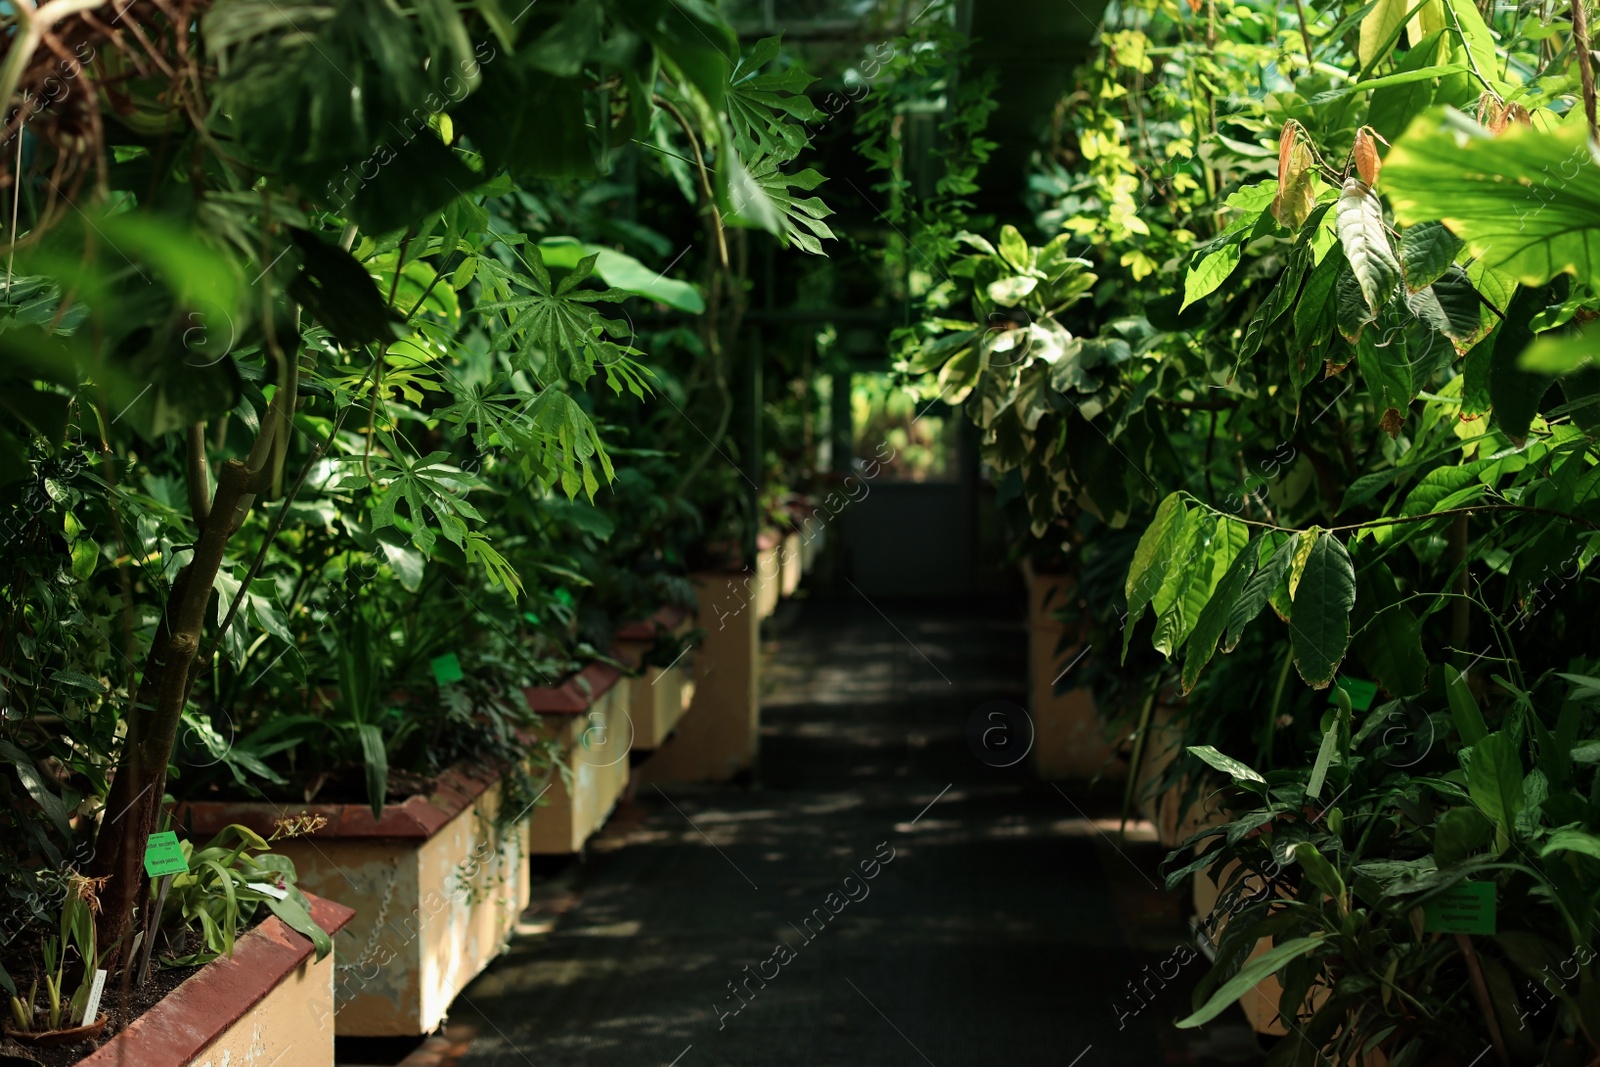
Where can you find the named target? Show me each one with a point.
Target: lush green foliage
(1348, 382)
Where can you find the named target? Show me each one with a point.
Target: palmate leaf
(759, 105)
(558, 443)
(431, 485)
(1526, 202)
(556, 318)
(800, 218)
(486, 408)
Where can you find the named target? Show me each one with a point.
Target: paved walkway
(878, 897)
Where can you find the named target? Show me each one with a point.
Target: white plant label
(269, 889)
(91, 1007)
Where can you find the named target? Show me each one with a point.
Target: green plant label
(1361, 692)
(447, 669)
(1467, 908)
(163, 855)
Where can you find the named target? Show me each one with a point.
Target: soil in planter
(140, 1001)
(23, 955)
(343, 785)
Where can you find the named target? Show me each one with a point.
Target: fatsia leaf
(799, 218)
(1366, 242)
(1526, 202)
(761, 105)
(558, 320)
(1320, 629)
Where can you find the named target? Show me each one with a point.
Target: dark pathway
(990, 934)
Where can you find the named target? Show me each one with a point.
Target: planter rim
(668, 618)
(576, 693)
(180, 1026)
(416, 818)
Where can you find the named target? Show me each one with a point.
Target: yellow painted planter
(435, 884)
(270, 1003)
(588, 714)
(791, 564)
(717, 739)
(661, 696)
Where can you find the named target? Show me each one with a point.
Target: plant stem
(1580, 41)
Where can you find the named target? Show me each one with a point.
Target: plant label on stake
(1361, 692)
(163, 855)
(1467, 908)
(92, 1006)
(447, 669)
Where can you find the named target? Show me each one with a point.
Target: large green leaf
(1391, 647)
(1526, 201)
(1249, 976)
(1214, 617)
(619, 270)
(1320, 629)
(1226, 764)
(1365, 241)
(1278, 551)
(1209, 553)
(1494, 779)
(1426, 252)
(1464, 707)
(1151, 559)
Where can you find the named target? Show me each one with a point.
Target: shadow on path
(990, 931)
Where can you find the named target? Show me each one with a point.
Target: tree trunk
(141, 778)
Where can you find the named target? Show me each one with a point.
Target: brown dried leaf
(1297, 174)
(1391, 422)
(1366, 156)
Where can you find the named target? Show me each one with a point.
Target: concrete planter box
(791, 564)
(769, 572)
(435, 884)
(813, 535)
(272, 1002)
(1260, 1004)
(718, 737)
(1069, 737)
(661, 696)
(589, 715)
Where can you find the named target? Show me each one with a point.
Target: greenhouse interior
(533, 528)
